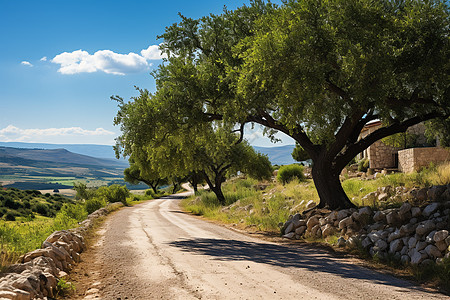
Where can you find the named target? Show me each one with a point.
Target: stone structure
(382, 156)
(413, 159)
(417, 233)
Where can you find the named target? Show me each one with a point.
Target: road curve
(155, 251)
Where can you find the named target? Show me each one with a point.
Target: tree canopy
(318, 71)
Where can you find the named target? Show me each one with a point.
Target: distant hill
(56, 162)
(278, 155)
(101, 151)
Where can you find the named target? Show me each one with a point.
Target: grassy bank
(263, 209)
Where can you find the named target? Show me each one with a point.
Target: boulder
(416, 212)
(313, 221)
(447, 241)
(380, 245)
(425, 227)
(367, 242)
(433, 251)
(342, 214)
(395, 246)
(346, 222)
(412, 242)
(421, 245)
(300, 230)
(417, 257)
(379, 216)
(341, 242)
(442, 246)
(421, 194)
(429, 237)
(430, 209)
(440, 235)
(435, 192)
(393, 218)
(404, 209)
(289, 228)
(327, 230)
(310, 204)
(405, 259)
(316, 231)
(407, 229)
(383, 197)
(289, 235)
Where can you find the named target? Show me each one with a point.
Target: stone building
(382, 156)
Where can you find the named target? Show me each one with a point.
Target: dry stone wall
(413, 159)
(414, 234)
(36, 276)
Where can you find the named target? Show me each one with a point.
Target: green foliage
(64, 288)
(299, 154)
(289, 173)
(93, 204)
(401, 140)
(74, 211)
(363, 165)
(440, 129)
(83, 192)
(114, 193)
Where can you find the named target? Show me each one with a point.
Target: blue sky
(62, 60)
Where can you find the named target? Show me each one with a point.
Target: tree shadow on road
(300, 256)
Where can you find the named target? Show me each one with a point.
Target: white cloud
(14, 134)
(107, 61)
(43, 58)
(26, 63)
(153, 53)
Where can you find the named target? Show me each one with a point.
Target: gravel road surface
(155, 251)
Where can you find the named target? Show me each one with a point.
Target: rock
(407, 229)
(435, 192)
(379, 216)
(429, 238)
(430, 209)
(425, 227)
(341, 242)
(366, 242)
(393, 236)
(405, 259)
(376, 226)
(416, 212)
(418, 257)
(346, 222)
(289, 235)
(352, 242)
(289, 228)
(446, 195)
(412, 243)
(366, 210)
(322, 221)
(327, 230)
(422, 194)
(404, 250)
(442, 246)
(313, 221)
(310, 204)
(375, 236)
(395, 246)
(300, 230)
(342, 214)
(433, 251)
(393, 218)
(404, 209)
(440, 235)
(447, 241)
(380, 245)
(316, 231)
(383, 197)
(420, 245)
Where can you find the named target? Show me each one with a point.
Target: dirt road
(155, 251)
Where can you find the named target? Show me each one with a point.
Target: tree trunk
(219, 194)
(154, 188)
(329, 188)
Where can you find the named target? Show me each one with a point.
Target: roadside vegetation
(29, 217)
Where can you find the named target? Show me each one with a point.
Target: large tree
(160, 141)
(318, 71)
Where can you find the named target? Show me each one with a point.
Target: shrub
(363, 165)
(94, 204)
(10, 216)
(289, 172)
(74, 211)
(41, 209)
(114, 193)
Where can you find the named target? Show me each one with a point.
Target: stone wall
(413, 159)
(381, 155)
